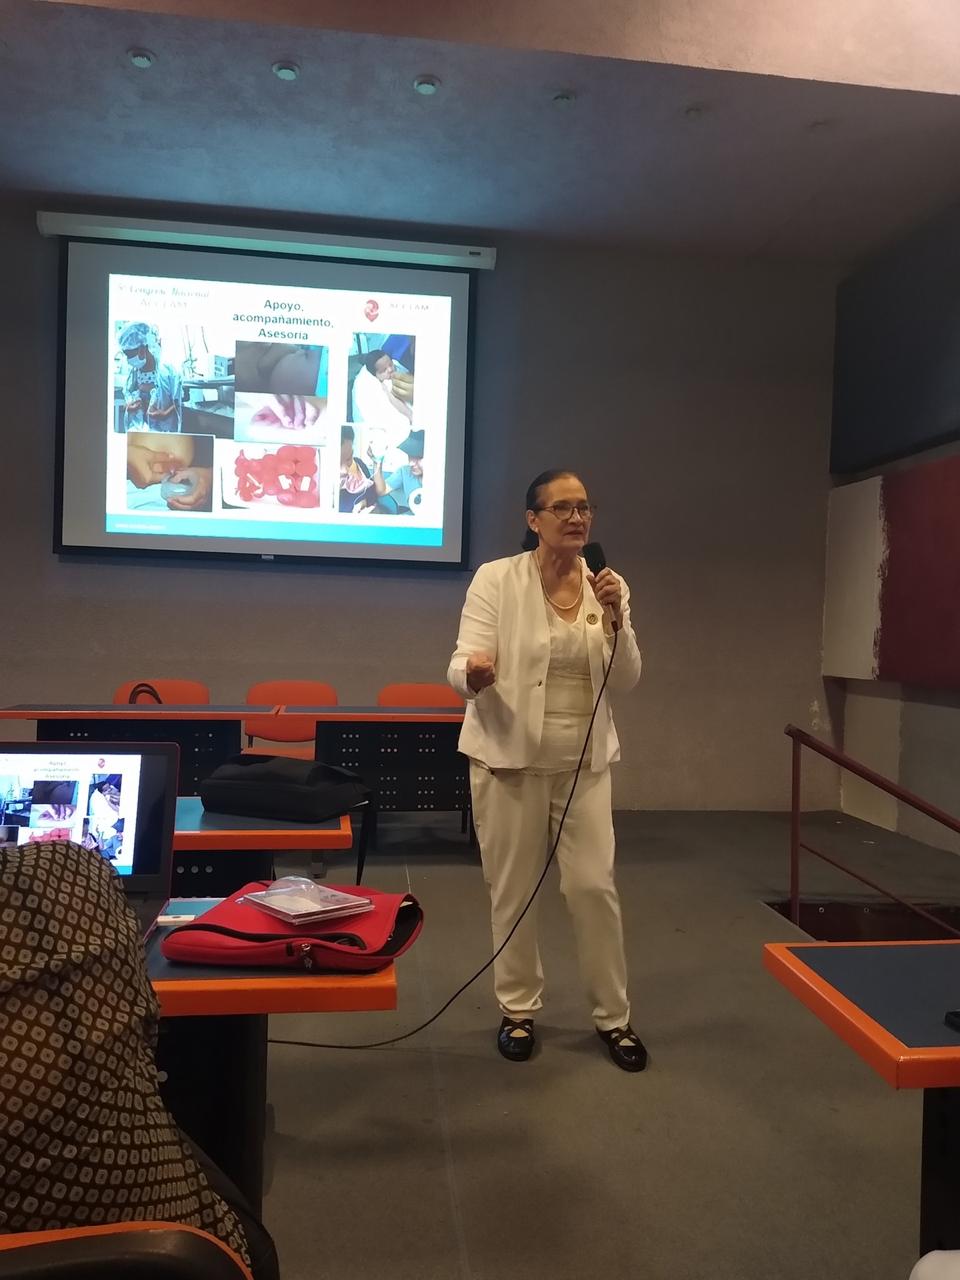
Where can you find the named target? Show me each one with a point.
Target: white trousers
(941, 1265)
(516, 816)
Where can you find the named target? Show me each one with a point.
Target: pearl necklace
(564, 608)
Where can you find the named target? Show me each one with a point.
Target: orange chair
(187, 693)
(121, 1251)
(290, 731)
(418, 695)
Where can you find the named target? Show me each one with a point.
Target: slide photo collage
(84, 801)
(251, 429)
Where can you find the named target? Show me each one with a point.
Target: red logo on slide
(371, 309)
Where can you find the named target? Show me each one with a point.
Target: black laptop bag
(282, 788)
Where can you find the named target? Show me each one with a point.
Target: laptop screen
(116, 798)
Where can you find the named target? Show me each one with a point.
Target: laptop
(118, 798)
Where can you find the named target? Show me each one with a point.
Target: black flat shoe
(515, 1039)
(626, 1048)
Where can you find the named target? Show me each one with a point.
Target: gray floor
(754, 1146)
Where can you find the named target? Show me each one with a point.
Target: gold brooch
(592, 619)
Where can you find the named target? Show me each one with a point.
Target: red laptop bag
(239, 933)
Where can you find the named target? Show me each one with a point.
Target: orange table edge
(281, 993)
(387, 716)
(123, 710)
(900, 1065)
(29, 1239)
(303, 836)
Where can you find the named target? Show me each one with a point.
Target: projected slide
(91, 800)
(292, 414)
(236, 403)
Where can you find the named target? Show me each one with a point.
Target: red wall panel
(919, 640)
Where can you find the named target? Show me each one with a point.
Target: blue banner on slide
(182, 525)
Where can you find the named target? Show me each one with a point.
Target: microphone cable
(382, 1044)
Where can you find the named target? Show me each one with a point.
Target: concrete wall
(913, 737)
(871, 734)
(929, 759)
(851, 606)
(694, 396)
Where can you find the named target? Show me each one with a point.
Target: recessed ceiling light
(427, 86)
(141, 58)
(818, 126)
(564, 97)
(286, 70)
(695, 110)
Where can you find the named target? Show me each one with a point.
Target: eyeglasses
(564, 510)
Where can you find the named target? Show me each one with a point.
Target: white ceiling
(762, 165)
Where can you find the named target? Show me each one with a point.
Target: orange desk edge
(901, 1066)
(304, 836)
(26, 1239)
(395, 715)
(282, 993)
(135, 711)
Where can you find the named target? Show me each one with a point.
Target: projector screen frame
(108, 553)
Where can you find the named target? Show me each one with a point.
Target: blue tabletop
(191, 816)
(906, 988)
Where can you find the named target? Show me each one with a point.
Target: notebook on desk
(118, 798)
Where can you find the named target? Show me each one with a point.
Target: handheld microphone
(596, 561)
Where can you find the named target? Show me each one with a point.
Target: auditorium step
(869, 920)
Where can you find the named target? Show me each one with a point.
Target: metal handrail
(801, 739)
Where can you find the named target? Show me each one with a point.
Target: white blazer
(504, 615)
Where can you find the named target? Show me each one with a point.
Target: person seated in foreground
(85, 1138)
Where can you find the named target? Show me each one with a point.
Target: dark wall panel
(897, 373)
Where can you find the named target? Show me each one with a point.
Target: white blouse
(568, 699)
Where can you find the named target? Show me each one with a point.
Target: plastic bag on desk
(298, 900)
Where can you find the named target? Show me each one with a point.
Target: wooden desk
(407, 755)
(205, 734)
(231, 851)
(213, 1047)
(887, 1002)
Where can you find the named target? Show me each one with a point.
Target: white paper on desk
(191, 906)
(180, 909)
(300, 901)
